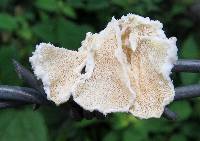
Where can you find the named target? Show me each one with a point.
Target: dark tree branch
(186, 92)
(22, 94)
(14, 96)
(168, 114)
(187, 66)
(28, 77)
(181, 93)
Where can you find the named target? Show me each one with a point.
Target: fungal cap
(58, 70)
(151, 57)
(127, 68)
(107, 89)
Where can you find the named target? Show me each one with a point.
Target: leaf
(7, 22)
(96, 4)
(183, 109)
(121, 3)
(76, 3)
(154, 126)
(122, 120)
(186, 129)
(189, 78)
(112, 136)
(48, 5)
(85, 123)
(7, 72)
(177, 9)
(25, 33)
(69, 34)
(68, 10)
(178, 137)
(134, 134)
(24, 30)
(45, 31)
(22, 126)
(190, 49)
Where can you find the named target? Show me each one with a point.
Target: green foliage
(185, 112)
(23, 24)
(22, 126)
(190, 48)
(48, 5)
(178, 137)
(189, 78)
(70, 34)
(7, 54)
(112, 136)
(8, 22)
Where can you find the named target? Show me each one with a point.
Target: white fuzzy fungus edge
(170, 59)
(38, 70)
(46, 65)
(120, 56)
(90, 65)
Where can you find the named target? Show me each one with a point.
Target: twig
(12, 96)
(28, 77)
(187, 66)
(186, 92)
(168, 114)
(181, 93)
(22, 94)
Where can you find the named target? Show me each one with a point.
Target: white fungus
(124, 68)
(151, 57)
(107, 90)
(58, 70)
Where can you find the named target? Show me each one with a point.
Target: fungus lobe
(123, 68)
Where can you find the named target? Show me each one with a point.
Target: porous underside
(124, 68)
(58, 70)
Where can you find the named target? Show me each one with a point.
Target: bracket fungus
(58, 70)
(123, 68)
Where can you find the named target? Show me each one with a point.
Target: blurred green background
(25, 23)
